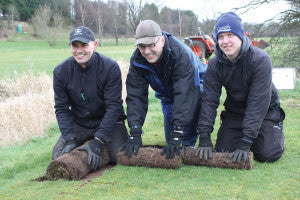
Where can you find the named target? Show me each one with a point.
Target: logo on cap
(226, 28)
(78, 31)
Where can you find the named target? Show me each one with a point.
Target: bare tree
(80, 10)
(48, 28)
(13, 15)
(150, 11)
(288, 26)
(134, 14)
(100, 18)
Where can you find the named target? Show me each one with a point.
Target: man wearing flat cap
(88, 103)
(252, 119)
(175, 74)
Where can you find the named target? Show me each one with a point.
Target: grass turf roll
(149, 157)
(220, 160)
(73, 165)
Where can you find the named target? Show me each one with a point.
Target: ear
(163, 40)
(95, 45)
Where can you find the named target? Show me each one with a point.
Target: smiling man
(88, 103)
(252, 118)
(175, 73)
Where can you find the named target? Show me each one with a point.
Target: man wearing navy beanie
(253, 118)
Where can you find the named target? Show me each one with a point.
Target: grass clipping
(26, 107)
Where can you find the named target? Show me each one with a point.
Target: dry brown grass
(27, 105)
(124, 66)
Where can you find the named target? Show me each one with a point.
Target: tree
(46, 27)
(13, 14)
(150, 11)
(134, 14)
(61, 7)
(288, 26)
(26, 8)
(80, 7)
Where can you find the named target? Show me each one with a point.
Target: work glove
(94, 150)
(133, 143)
(205, 147)
(70, 145)
(173, 145)
(242, 150)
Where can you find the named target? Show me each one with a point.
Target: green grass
(37, 55)
(21, 163)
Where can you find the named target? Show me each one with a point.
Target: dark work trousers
(267, 147)
(118, 136)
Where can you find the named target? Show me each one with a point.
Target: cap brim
(145, 40)
(80, 39)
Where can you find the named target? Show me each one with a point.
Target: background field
(26, 160)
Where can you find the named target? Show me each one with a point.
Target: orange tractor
(203, 45)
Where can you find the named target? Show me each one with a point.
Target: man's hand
(205, 147)
(174, 145)
(242, 150)
(94, 149)
(70, 145)
(133, 143)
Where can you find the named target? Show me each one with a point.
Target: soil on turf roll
(73, 166)
(220, 160)
(149, 157)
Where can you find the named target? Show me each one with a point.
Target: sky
(211, 9)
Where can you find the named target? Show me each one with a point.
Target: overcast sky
(211, 9)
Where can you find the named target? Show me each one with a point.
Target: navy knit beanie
(229, 22)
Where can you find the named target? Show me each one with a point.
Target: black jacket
(248, 84)
(176, 81)
(90, 97)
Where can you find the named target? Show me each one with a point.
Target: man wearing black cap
(175, 73)
(88, 103)
(252, 118)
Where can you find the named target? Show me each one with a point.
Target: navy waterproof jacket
(176, 80)
(248, 84)
(89, 96)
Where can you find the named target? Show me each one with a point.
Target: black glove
(133, 143)
(242, 150)
(94, 149)
(205, 147)
(174, 144)
(70, 145)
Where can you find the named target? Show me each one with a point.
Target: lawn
(21, 163)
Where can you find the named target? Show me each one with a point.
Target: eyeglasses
(150, 46)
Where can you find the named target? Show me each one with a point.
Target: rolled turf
(73, 166)
(220, 160)
(149, 157)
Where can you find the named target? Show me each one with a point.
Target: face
(152, 52)
(230, 44)
(82, 52)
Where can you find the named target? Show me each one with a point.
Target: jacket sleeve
(113, 102)
(62, 105)
(137, 97)
(259, 96)
(185, 89)
(210, 98)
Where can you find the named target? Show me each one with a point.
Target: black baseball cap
(82, 34)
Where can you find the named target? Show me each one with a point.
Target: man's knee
(268, 156)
